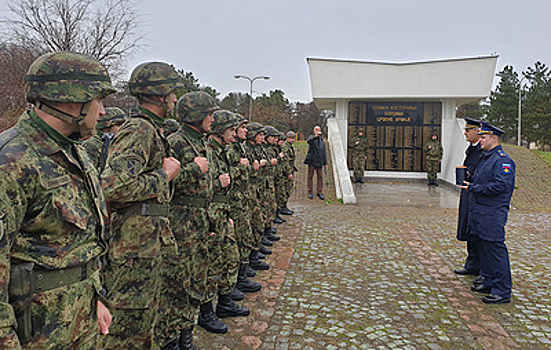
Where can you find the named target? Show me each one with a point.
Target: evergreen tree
(502, 110)
(536, 107)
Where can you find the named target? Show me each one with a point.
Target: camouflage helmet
(153, 79)
(240, 119)
(282, 136)
(271, 131)
(170, 126)
(254, 129)
(67, 77)
(222, 120)
(195, 106)
(113, 116)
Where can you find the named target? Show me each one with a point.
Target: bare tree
(104, 29)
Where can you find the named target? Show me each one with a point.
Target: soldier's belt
(145, 209)
(199, 202)
(241, 187)
(220, 199)
(45, 280)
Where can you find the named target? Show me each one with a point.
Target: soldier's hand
(231, 223)
(291, 176)
(224, 180)
(263, 162)
(244, 161)
(171, 166)
(203, 163)
(273, 161)
(281, 155)
(256, 165)
(104, 318)
(357, 143)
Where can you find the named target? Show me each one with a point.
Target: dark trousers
(319, 178)
(494, 262)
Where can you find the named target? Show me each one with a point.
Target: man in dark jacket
(316, 159)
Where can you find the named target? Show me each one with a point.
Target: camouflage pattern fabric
(184, 278)
(195, 106)
(282, 172)
(290, 156)
(113, 116)
(52, 212)
(269, 199)
(153, 78)
(256, 190)
(358, 151)
(433, 154)
(224, 257)
(170, 126)
(92, 146)
(134, 176)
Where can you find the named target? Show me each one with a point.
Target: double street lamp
(251, 80)
(519, 141)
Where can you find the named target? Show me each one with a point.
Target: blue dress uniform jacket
(491, 190)
(473, 155)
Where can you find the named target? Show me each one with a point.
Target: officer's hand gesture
(171, 166)
(224, 180)
(203, 163)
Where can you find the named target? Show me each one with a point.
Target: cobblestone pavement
(379, 275)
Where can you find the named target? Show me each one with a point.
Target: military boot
(264, 251)
(272, 237)
(265, 241)
(244, 284)
(227, 308)
(273, 230)
(286, 211)
(251, 272)
(261, 256)
(278, 220)
(173, 345)
(186, 340)
(209, 321)
(236, 294)
(256, 264)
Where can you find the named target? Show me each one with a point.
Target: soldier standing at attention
(472, 158)
(491, 189)
(359, 147)
(137, 184)
(433, 154)
(226, 255)
(52, 211)
(289, 155)
(98, 145)
(185, 282)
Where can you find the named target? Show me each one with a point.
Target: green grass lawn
(546, 156)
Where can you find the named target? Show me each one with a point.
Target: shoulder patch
(505, 168)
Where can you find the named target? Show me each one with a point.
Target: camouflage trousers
(257, 216)
(280, 191)
(358, 165)
(184, 275)
(65, 318)
(268, 202)
(432, 168)
(246, 240)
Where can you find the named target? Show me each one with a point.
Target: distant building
(399, 105)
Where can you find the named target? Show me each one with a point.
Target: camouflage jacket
(187, 144)
(290, 156)
(219, 166)
(361, 147)
(239, 174)
(433, 150)
(52, 209)
(92, 146)
(134, 175)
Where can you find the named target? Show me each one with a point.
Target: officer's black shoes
(495, 299)
(286, 211)
(466, 272)
(250, 272)
(227, 308)
(186, 340)
(321, 196)
(310, 196)
(264, 251)
(278, 220)
(173, 345)
(266, 242)
(481, 289)
(236, 294)
(209, 321)
(244, 284)
(479, 280)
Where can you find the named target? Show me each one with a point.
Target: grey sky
(217, 39)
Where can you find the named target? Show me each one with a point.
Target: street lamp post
(519, 142)
(251, 80)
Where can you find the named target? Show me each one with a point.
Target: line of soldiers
(145, 235)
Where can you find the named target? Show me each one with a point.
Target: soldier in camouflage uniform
(256, 154)
(240, 211)
(282, 175)
(186, 283)
(52, 211)
(274, 171)
(289, 155)
(225, 256)
(433, 153)
(358, 155)
(170, 126)
(98, 145)
(137, 184)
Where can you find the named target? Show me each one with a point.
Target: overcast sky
(216, 39)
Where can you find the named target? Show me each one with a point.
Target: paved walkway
(379, 275)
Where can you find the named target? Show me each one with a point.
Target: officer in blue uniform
(472, 158)
(491, 190)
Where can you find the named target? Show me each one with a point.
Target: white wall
(453, 141)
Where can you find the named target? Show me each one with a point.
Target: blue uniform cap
(490, 130)
(472, 123)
